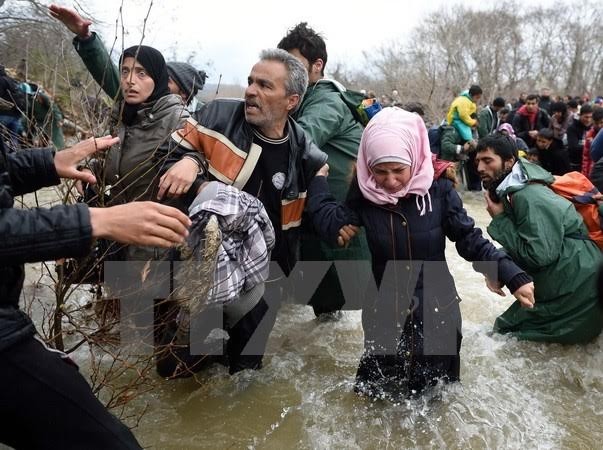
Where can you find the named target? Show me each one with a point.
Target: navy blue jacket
(400, 233)
(31, 235)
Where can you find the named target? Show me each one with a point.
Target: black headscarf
(153, 62)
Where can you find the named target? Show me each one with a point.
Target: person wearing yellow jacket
(463, 111)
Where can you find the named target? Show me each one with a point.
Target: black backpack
(10, 91)
(434, 135)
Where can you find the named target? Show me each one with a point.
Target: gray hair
(297, 81)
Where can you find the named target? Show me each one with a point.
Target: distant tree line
(507, 49)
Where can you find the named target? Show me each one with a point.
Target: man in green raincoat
(545, 236)
(327, 118)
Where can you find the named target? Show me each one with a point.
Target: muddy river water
(512, 394)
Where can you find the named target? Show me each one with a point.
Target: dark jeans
(46, 403)
(174, 360)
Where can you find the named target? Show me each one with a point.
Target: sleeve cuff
(518, 281)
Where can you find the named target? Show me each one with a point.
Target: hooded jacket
(545, 235)
(462, 108)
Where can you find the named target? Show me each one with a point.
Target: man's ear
(293, 101)
(318, 66)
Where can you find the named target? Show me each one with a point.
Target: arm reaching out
(140, 223)
(66, 161)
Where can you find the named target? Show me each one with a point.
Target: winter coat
(400, 233)
(31, 235)
(488, 122)
(131, 167)
(451, 144)
(221, 134)
(461, 115)
(545, 235)
(327, 119)
(146, 138)
(462, 108)
(521, 125)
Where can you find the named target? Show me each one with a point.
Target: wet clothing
(546, 236)
(407, 251)
(327, 119)
(52, 404)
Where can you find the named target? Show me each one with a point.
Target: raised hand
(72, 20)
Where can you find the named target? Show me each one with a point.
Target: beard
(493, 184)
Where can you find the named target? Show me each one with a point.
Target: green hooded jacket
(328, 120)
(546, 236)
(95, 57)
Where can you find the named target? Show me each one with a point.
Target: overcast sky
(226, 36)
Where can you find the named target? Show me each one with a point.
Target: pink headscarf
(508, 128)
(395, 135)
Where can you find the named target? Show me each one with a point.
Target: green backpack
(363, 109)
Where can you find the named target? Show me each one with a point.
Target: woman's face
(391, 176)
(136, 84)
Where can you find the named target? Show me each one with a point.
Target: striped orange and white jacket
(221, 134)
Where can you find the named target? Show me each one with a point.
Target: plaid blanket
(247, 238)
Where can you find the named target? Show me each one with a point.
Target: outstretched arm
(334, 222)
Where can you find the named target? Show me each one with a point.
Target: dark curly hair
(309, 43)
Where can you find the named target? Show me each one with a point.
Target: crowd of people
(555, 133)
(289, 173)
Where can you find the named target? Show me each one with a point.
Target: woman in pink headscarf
(411, 318)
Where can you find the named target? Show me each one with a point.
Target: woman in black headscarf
(144, 120)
